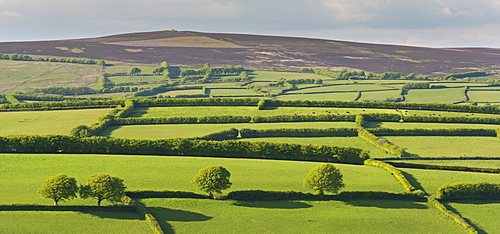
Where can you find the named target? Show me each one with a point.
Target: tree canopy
(59, 188)
(134, 71)
(324, 178)
(212, 179)
(103, 187)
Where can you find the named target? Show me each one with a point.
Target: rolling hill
(185, 48)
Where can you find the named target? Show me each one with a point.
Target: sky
(429, 23)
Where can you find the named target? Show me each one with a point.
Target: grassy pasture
(431, 180)
(46, 122)
(336, 141)
(403, 125)
(72, 222)
(232, 92)
(469, 163)
(437, 146)
(274, 76)
(448, 95)
(483, 215)
(174, 93)
(139, 78)
(157, 131)
(23, 174)
(321, 96)
(246, 111)
(26, 75)
(350, 216)
(380, 95)
(348, 87)
(459, 84)
(484, 96)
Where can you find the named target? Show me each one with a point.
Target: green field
(158, 131)
(403, 125)
(139, 78)
(483, 215)
(380, 95)
(24, 75)
(350, 216)
(335, 141)
(349, 87)
(174, 93)
(462, 162)
(431, 180)
(232, 92)
(448, 95)
(436, 146)
(23, 174)
(321, 96)
(484, 96)
(72, 222)
(46, 122)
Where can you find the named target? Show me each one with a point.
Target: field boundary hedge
(461, 191)
(381, 143)
(394, 171)
(142, 210)
(298, 132)
(434, 132)
(455, 217)
(274, 195)
(445, 167)
(40, 207)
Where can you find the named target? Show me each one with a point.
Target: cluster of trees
(465, 75)
(419, 85)
(99, 186)
(60, 60)
(66, 90)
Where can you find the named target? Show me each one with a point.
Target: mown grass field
(350, 216)
(47, 122)
(449, 95)
(336, 141)
(462, 162)
(72, 222)
(23, 174)
(431, 180)
(483, 215)
(380, 95)
(484, 96)
(403, 125)
(158, 131)
(437, 146)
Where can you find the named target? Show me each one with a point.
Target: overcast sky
(433, 23)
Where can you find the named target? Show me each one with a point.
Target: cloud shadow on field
(273, 204)
(386, 204)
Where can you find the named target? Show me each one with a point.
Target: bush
(460, 191)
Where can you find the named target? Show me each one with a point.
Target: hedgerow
(444, 167)
(461, 191)
(394, 171)
(380, 143)
(298, 132)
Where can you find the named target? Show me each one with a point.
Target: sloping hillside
(253, 51)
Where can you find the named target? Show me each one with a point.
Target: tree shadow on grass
(126, 215)
(372, 124)
(164, 215)
(273, 204)
(450, 208)
(386, 204)
(413, 181)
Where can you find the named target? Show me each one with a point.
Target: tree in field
(212, 179)
(324, 178)
(59, 188)
(134, 71)
(164, 64)
(103, 187)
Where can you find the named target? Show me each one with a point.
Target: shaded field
(468, 163)
(336, 141)
(23, 174)
(321, 96)
(72, 222)
(26, 75)
(436, 146)
(403, 125)
(350, 216)
(483, 215)
(449, 95)
(47, 122)
(246, 111)
(431, 180)
(157, 131)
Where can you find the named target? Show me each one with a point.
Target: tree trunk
(55, 202)
(99, 202)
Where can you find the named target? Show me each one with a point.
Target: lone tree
(103, 187)
(134, 71)
(212, 179)
(59, 188)
(324, 178)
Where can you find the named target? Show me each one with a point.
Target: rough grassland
(398, 125)
(350, 216)
(157, 131)
(336, 141)
(23, 174)
(482, 214)
(431, 180)
(47, 122)
(71, 222)
(435, 146)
